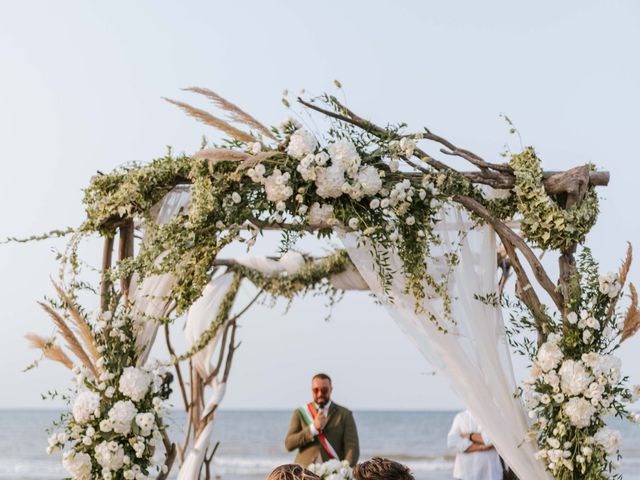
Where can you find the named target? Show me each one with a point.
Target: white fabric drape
(150, 298)
(199, 318)
(473, 355)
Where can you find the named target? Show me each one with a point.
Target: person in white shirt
(476, 458)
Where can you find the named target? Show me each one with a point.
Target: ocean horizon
(252, 442)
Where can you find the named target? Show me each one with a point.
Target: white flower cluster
(332, 470)
(78, 464)
(569, 398)
(134, 383)
(301, 144)
(114, 426)
(609, 285)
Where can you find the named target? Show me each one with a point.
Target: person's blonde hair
(292, 471)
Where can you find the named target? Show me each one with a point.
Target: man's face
(321, 391)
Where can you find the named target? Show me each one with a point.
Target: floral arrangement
(332, 470)
(114, 427)
(352, 177)
(576, 382)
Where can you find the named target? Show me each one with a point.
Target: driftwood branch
(495, 175)
(509, 237)
(172, 352)
(170, 448)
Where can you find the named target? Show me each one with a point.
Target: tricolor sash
(308, 413)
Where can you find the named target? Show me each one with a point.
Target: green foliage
(543, 221)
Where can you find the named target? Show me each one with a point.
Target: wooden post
(105, 283)
(125, 250)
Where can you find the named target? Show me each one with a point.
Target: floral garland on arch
(576, 382)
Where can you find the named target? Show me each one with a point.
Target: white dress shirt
(325, 412)
(476, 465)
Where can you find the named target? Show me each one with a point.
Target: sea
(252, 443)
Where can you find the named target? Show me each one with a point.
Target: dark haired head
(322, 376)
(381, 469)
(292, 471)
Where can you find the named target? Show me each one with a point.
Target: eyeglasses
(323, 390)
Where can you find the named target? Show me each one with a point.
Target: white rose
(353, 223)
(572, 318)
(236, 198)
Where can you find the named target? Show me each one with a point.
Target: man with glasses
(322, 430)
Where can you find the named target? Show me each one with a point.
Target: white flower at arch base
(85, 405)
(549, 356)
(134, 383)
(110, 455)
(579, 411)
(78, 464)
(574, 378)
(121, 416)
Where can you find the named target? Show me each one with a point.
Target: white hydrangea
(146, 422)
(110, 455)
(276, 187)
(549, 356)
(134, 383)
(319, 214)
(344, 154)
(609, 439)
(121, 415)
(329, 182)
(574, 378)
(78, 464)
(84, 406)
(369, 180)
(579, 412)
(301, 143)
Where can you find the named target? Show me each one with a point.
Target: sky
(81, 88)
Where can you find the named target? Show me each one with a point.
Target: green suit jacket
(340, 431)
